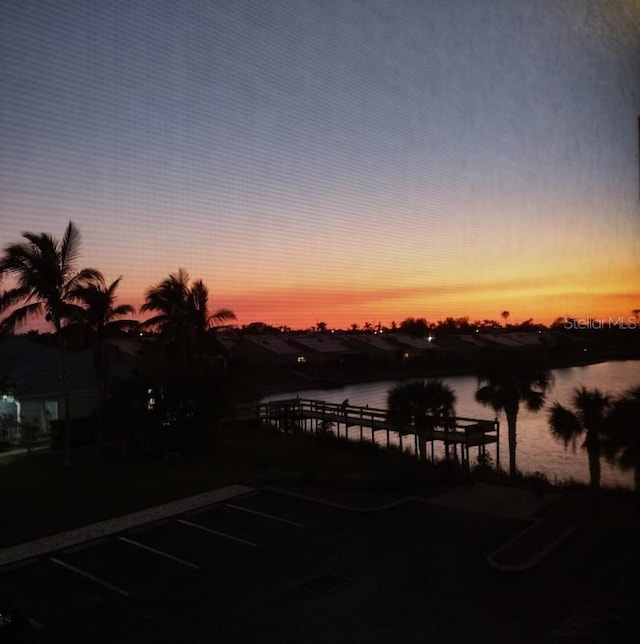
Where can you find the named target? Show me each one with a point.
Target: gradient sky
(343, 160)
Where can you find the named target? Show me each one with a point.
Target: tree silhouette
(624, 435)
(203, 320)
(589, 418)
(421, 403)
(99, 318)
(505, 316)
(46, 275)
(418, 328)
(183, 316)
(508, 379)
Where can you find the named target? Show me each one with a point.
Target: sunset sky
(348, 161)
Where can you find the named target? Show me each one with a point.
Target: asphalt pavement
(268, 566)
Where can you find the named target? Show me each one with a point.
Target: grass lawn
(39, 497)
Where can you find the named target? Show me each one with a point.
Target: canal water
(537, 451)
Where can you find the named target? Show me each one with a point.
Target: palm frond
(122, 325)
(113, 286)
(534, 400)
(222, 315)
(565, 425)
(71, 312)
(156, 320)
(123, 309)
(14, 296)
(490, 396)
(19, 316)
(69, 249)
(87, 277)
(14, 259)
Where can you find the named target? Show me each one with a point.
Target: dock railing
(301, 415)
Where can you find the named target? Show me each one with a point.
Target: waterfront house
(33, 395)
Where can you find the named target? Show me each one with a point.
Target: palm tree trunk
(593, 456)
(422, 444)
(512, 417)
(66, 432)
(101, 369)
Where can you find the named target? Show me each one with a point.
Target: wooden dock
(298, 415)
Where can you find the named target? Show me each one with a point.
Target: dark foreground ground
(271, 566)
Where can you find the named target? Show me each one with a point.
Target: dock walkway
(313, 416)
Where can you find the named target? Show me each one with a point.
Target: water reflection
(537, 450)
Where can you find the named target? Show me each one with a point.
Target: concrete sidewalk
(69, 538)
(13, 451)
(500, 500)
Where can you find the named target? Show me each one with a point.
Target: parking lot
(273, 567)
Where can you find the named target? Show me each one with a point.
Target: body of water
(538, 451)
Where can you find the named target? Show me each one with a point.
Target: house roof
(375, 341)
(462, 342)
(274, 343)
(502, 340)
(322, 343)
(526, 338)
(411, 342)
(34, 368)
(227, 341)
(476, 341)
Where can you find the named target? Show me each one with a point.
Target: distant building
(262, 350)
(415, 349)
(374, 349)
(321, 348)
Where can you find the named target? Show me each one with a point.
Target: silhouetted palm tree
(505, 380)
(170, 299)
(423, 403)
(203, 320)
(100, 317)
(45, 272)
(589, 418)
(182, 312)
(624, 438)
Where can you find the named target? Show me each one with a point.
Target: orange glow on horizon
(302, 309)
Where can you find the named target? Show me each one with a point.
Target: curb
(342, 506)
(534, 559)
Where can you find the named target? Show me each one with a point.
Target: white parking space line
(219, 534)
(46, 545)
(88, 575)
(264, 514)
(161, 553)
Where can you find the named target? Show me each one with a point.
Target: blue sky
(349, 160)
